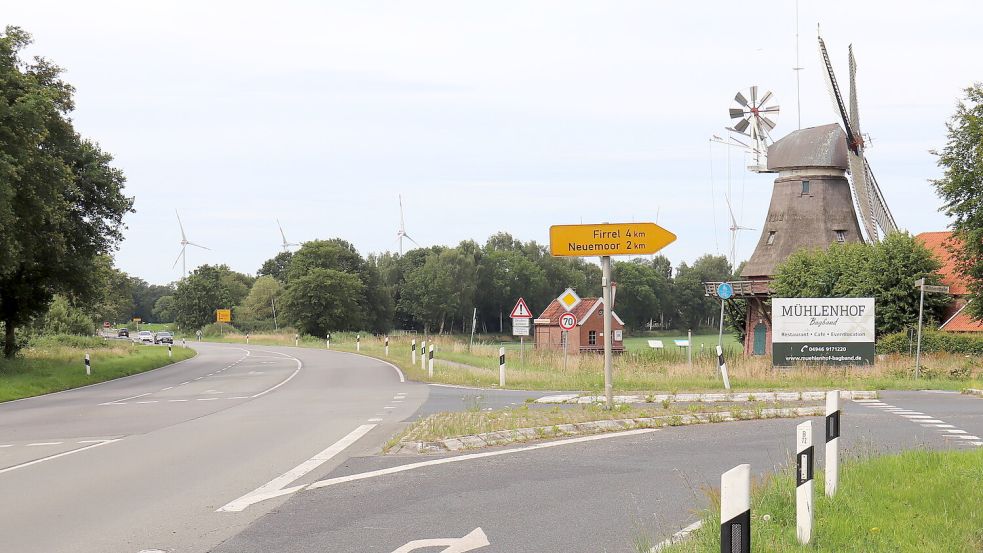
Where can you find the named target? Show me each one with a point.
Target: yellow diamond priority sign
(608, 239)
(568, 299)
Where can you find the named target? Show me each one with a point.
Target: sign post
(568, 321)
(803, 482)
(920, 283)
(521, 317)
(725, 291)
(608, 338)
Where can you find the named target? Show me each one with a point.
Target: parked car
(144, 337)
(163, 337)
(123, 333)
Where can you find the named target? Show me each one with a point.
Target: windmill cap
(823, 146)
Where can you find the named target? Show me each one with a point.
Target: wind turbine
(286, 245)
(734, 229)
(401, 233)
(182, 257)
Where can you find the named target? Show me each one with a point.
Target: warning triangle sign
(521, 310)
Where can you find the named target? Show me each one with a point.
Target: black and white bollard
(735, 510)
(832, 442)
(501, 367)
(327, 340)
(804, 456)
(423, 355)
(413, 352)
(358, 342)
(88, 365)
(430, 366)
(169, 353)
(723, 367)
(387, 346)
(184, 343)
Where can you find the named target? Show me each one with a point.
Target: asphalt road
(602, 495)
(143, 463)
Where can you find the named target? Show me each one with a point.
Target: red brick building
(588, 336)
(956, 317)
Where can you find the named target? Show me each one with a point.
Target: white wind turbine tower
(401, 233)
(182, 257)
(286, 245)
(734, 229)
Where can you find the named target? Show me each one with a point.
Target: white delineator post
(689, 348)
(247, 338)
(430, 366)
(296, 339)
(387, 346)
(327, 341)
(735, 510)
(723, 367)
(88, 365)
(358, 342)
(423, 355)
(804, 455)
(184, 343)
(832, 442)
(413, 352)
(169, 354)
(501, 367)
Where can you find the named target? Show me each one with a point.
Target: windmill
(756, 116)
(286, 245)
(401, 233)
(182, 257)
(868, 198)
(734, 229)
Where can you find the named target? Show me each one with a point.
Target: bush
(218, 329)
(933, 342)
(255, 326)
(68, 340)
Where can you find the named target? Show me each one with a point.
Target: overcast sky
(485, 116)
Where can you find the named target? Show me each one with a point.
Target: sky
(484, 116)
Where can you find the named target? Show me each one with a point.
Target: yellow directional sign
(223, 315)
(608, 239)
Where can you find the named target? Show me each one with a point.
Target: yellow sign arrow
(608, 239)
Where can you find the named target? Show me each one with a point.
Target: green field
(918, 501)
(54, 364)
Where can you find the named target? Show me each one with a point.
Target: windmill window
(771, 238)
(840, 236)
(592, 338)
(805, 187)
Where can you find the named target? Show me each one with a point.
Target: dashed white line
(955, 431)
(176, 400)
(207, 398)
(375, 419)
(63, 454)
(151, 401)
(45, 443)
(167, 388)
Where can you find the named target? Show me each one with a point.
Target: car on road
(144, 337)
(123, 333)
(163, 337)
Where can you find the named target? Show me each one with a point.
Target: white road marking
(167, 388)
(375, 419)
(6, 445)
(944, 426)
(208, 399)
(955, 431)
(274, 488)
(45, 443)
(52, 457)
(151, 401)
(907, 412)
(117, 401)
(476, 539)
(388, 407)
(238, 397)
(471, 456)
(916, 417)
(402, 377)
(299, 366)
(176, 400)
(934, 421)
(967, 437)
(183, 383)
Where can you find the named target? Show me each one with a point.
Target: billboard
(827, 331)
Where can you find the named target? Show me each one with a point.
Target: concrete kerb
(503, 437)
(709, 397)
(973, 392)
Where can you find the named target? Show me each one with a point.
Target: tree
(961, 188)
(145, 297)
(693, 308)
(208, 288)
(165, 309)
(277, 266)
(643, 291)
(113, 300)
(323, 300)
(64, 318)
(885, 271)
(61, 202)
(258, 305)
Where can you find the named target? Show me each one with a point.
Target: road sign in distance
(521, 310)
(520, 331)
(541, 321)
(223, 315)
(936, 289)
(520, 322)
(568, 321)
(608, 239)
(568, 299)
(725, 291)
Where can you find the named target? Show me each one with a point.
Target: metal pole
(608, 338)
(564, 340)
(522, 352)
(689, 347)
(803, 482)
(275, 325)
(918, 350)
(474, 321)
(832, 442)
(720, 336)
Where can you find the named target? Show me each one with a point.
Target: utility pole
(608, 338)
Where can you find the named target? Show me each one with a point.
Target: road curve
(146, 462)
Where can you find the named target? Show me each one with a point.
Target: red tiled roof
(962, 322)
(554, 310)
(939, 243)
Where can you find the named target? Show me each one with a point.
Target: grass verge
(924, 501)
(54, 364)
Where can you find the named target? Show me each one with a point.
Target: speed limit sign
(568, 321)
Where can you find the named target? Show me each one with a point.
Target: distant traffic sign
(521, 322)
(521, 310)
(568, 299)
(725, 291)
(608, 239)
(568, 321)
(223, 315)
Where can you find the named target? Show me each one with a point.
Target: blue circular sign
(725, 291)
